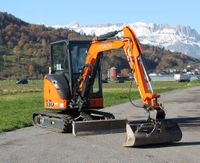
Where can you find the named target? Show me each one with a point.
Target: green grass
(118, 93)
(16, 109)
(9, 87)
(18, 102)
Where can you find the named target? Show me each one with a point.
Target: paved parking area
(33, 144)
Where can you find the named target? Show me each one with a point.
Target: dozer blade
(94, 127)
(150, 133)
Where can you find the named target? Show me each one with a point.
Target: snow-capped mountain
(180, 38)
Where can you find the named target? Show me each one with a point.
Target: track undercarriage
(78, 123)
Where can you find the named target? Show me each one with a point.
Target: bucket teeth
(150, 133)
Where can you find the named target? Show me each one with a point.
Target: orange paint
(96, 103)
(52, 98)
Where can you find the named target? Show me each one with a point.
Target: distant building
(182, 77)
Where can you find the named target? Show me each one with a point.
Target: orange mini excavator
(73, 92)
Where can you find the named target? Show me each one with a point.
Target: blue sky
(62, 12)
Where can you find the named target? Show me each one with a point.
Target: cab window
(60, 57)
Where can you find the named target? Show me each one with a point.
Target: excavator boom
(133, 53)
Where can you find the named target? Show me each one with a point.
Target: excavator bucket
(98, 127)
(150, 133)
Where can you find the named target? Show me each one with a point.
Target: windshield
(78, 55)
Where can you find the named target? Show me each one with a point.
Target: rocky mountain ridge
(178, 38)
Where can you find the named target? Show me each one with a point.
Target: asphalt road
(33, 144)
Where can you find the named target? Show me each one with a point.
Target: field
(18, 102)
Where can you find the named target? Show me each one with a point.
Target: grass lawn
(16, 109)
(18, 102)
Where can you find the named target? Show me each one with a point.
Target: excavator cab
(67, 62)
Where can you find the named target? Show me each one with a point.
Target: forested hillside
(25, 50)
(24, 47)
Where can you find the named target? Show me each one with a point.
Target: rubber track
(67, 119)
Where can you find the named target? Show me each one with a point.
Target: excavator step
(150, 133)
(98, 127)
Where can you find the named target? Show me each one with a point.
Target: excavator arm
(133, 53)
